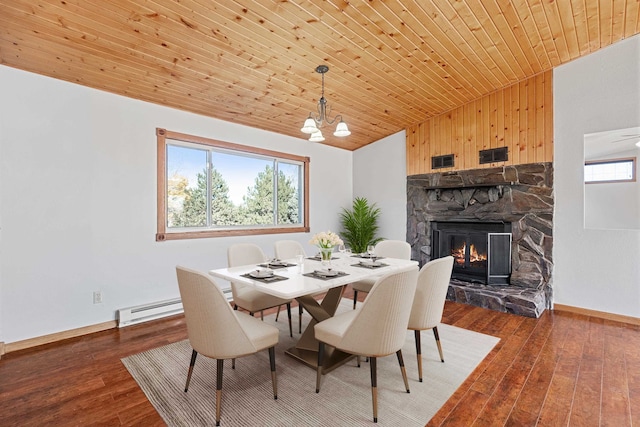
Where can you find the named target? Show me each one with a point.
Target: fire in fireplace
(481, 250)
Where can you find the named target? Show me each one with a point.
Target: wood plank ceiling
(392, 63)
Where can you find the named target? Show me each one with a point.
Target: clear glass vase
(325, 256)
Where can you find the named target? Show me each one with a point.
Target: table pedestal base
(306, 349)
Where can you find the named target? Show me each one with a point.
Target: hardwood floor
(561, 369)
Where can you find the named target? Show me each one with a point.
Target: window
(611, 170)
(209, 188)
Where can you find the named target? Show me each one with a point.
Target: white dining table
(301, 285)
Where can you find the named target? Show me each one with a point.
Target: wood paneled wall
(519, 117)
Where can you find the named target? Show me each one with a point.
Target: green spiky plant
(360, 225)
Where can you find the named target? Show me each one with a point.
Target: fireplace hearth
(518, 201)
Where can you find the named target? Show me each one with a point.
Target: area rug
(345, 395)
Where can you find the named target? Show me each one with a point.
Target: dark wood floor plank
(559, 399)
(509, 348)
(588, 394)
(616, 405)
(538, 383)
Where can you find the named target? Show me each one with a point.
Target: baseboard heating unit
(156, 310)
(146, 312)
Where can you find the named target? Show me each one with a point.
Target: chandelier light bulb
(309, 125)
(342, 129)
(316, 136)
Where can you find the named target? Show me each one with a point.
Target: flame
(474, 256)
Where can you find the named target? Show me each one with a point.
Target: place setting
(326, 274)
(265, 275)
(276, 264)
(370, 260)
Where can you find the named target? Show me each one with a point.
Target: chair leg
(300, 310)
(355, 298)
(403, 370)
(262, 315)
(374, 387)
(194, 354)
(278, 313)
(235, 307)
(416, 333)
(435, 334)
(319, 368)
(289, 316)
(220, 364)
(272, 364)
(233, 363)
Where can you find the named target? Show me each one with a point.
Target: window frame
(609, 161)
(163, 234)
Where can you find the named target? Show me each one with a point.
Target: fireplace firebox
(481, 250)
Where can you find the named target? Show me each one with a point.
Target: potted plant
(360, 225)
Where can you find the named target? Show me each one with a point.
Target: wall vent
(439, 162)
(494, 155)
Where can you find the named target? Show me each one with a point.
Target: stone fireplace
(514, 201)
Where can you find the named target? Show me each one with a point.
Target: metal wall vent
(439, 162)
(494, 155)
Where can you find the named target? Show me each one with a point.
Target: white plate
(371, 263)
(261, 274)
(278, 263)
(327, 273)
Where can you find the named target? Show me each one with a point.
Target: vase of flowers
(326, 241)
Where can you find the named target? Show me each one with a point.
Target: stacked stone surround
(521, 195)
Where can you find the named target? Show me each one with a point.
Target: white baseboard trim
(599, 314)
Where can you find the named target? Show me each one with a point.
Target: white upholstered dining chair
(428, 303)
(218, 332)
(386, 248)
(247, 297)
(289, 249)
(376, 329)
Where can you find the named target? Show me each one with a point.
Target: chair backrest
(394, 249)
(287, 249)
(431, 292)
(212, 325)
(245, 254)
(380, 325)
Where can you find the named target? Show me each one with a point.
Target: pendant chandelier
(313, 124)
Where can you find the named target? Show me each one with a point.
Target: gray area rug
(345, 395)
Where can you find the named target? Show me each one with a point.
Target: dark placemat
(268, 279)
(276, 266)
(321, 277)
(371, 267)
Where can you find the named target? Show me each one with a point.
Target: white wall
(380, 175)
(78, 202)
(613, 205)
(594, 269)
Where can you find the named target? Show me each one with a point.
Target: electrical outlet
(97, 297)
